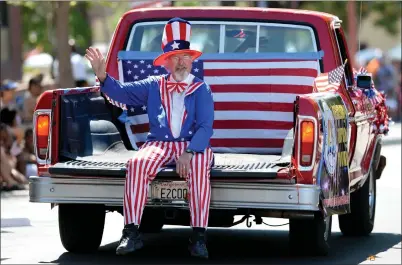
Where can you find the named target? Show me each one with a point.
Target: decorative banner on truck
(333, 172)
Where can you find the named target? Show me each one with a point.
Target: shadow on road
(236, 247)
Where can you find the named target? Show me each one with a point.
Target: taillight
(42, 135)
(307, 138)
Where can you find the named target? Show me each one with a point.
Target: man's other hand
(97, 61)
(183, 164)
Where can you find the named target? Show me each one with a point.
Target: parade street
(29, 234)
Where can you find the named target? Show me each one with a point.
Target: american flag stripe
(253, 116)
(254, 80)
(247, 142)
(253, 100)
(251, 124)
(255, 97)
(169, 31)
(148, 161)
(295, 89)
(264, 106)
(257, 72)
(260, 64)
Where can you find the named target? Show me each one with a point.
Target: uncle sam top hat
(176, 40)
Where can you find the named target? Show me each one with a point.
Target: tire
(360, 221)
(152, 221)
(81, 226)
(310, 237)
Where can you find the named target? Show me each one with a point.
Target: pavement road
(29, 234)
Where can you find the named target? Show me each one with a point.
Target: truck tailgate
(113, 163)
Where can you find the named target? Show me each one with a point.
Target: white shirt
(178, 107)
(78, 67)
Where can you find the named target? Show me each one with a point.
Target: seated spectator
(9, 114)
(7, 94)
(27, 160)
(9, 117)
(10, 177)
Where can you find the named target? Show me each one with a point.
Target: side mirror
(363, 81)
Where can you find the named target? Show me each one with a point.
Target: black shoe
(197, 246)
(130, 240)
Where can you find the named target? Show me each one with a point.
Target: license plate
(172, 191)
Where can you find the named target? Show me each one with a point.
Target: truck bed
(92, 143)
(112, 162)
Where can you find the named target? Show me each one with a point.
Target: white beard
(180, 76)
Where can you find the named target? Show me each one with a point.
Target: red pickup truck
(285, 145)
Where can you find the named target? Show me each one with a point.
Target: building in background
(378, 37)
(11, 41)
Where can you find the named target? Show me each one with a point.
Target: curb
(392, 141)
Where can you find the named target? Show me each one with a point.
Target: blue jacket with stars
(199, 107)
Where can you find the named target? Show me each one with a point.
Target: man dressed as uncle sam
(181, 113)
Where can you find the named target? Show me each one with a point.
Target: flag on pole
(331, 80)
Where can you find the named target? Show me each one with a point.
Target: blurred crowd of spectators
(17, 102)
(386, 73)
(18, 161)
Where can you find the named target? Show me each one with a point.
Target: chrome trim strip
(49, 148)
(224, 195)
(362, 118)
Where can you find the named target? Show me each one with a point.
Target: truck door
(359, 132)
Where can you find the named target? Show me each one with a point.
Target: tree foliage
(387, 13)
(39, 27)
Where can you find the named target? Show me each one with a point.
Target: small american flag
(253, 99)
(331, 80)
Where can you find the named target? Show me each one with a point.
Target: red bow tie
(179, 87)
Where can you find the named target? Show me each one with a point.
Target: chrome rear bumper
(224, 195)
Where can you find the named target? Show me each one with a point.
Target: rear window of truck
(229, 37)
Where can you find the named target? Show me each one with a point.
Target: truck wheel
(81, 226)
(360, 221)
(310, 237)
(152, 221)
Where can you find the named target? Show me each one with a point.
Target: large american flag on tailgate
(253, 100)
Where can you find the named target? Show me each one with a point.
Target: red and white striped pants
(145, 165)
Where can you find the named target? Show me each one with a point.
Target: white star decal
(196, 70)
(142, 71)
(148, 75)
(149, 66)
(129, 72)
(142, 61)
(136, 77)
(156, 71)
(132, 109)
(129, 62)
(135, 66)
(175, 45)
(144, 107)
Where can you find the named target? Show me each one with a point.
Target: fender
(377, 162)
